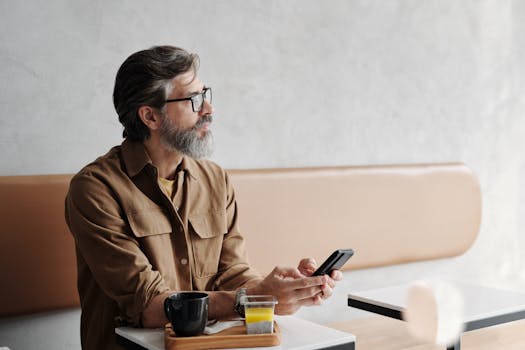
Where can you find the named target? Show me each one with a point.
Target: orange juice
(258, 311)
(259, 314)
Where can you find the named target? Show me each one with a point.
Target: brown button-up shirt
(134, 242)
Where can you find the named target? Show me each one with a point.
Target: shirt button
(183, 261)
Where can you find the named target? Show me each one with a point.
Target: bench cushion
(387, 214)
(37, 252)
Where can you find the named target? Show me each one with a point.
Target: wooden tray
(234, 337)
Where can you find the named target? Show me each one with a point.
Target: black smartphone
(334, 262)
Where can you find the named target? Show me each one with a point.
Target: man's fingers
(331, 283)
(336, 275)
(290, 308)
(307, 282)
(326, 292)
(306, 293)
(307, 266)
(287, 272)
(294, 294)
(315, 300)
(308, 263)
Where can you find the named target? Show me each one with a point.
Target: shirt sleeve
(103, 239)
(234, 268)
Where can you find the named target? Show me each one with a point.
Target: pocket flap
(149, 222)
(209, 225)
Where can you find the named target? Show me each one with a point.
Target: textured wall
(296, 83)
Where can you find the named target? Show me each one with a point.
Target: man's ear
(149, 117)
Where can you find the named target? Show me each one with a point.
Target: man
(151, 217)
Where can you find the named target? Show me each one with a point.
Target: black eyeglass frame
(202, 95)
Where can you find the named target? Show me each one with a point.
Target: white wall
(296, 83)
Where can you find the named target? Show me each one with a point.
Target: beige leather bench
(388, 214)
(37, 253)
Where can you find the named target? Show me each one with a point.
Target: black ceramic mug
(187, 312)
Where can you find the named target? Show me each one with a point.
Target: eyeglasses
(196, 100)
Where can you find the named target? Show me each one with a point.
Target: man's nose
(207, 108)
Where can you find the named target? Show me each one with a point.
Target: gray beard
(187, 142)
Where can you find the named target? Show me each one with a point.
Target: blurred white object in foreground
(434, 312)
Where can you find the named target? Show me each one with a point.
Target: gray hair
(145, 78)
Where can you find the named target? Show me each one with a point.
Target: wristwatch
(238, 307)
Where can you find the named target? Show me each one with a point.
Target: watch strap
(238, 307)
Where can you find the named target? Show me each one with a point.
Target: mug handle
(167, 308)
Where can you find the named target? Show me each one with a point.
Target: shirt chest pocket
(207, 233)
(149, 222)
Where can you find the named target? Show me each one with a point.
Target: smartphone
(334, 262)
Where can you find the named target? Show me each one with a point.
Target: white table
(484, 306)
(296, 334)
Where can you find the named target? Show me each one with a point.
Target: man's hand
(296, 287)
(291, 288)
(308, 266)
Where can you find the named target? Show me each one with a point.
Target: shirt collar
(189, 166)
(136, 158)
